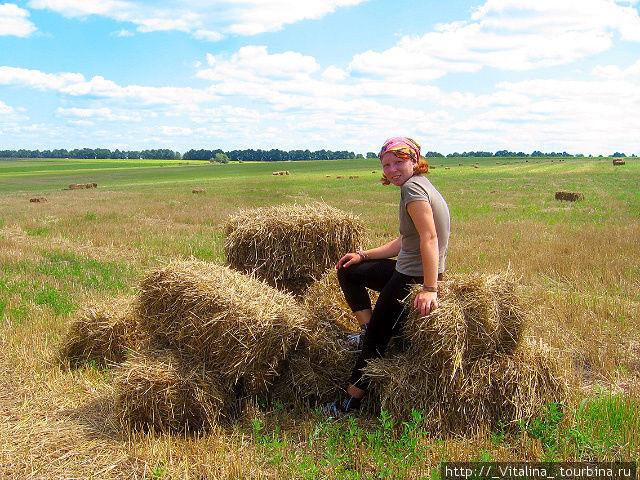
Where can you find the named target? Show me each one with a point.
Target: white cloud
(205, 20)
(614, 72)
(99, 113)
(175, 131)
(75, 84)
(334, 73)
(6, 109)
(208, 35)
(123, 33)
(14, 21)
(507, 35)
(257, 64)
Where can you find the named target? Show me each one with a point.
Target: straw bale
(290, 245)
(320, 366)
(236, 323)
(569, 196)
(478, 316)
(38, 200)
(166, 391)
(497, 392)
(351, 177)
(102, 333)
(197, 191)
(618, 161)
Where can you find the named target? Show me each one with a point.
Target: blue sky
(561, 75)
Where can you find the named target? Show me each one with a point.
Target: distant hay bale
(618, 161)
(327, 176)
(272, 241)
(339, 176)
(569, 196)
(197, 191)
(239, 325)
(102, 333)
(478, 316)
(167, 392)
(38, 200)
(476, 166)
(447, 168)
(374, 171)
(352, 177)
(81, 186)
(496, 393)
(282, 172)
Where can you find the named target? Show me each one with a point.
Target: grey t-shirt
(419, 188)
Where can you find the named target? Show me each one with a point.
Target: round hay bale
(339, 176)
(167, 392)
(290, 245)
(238, 324)
(102, 333)
(618, 162)
(569, 196)
(353, 177)
(38, 200)
(197, 191)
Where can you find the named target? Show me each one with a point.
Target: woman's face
(397, 170)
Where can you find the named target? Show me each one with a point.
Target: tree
(371, 155)
(221, 158)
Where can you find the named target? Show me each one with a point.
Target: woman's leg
(386, 320)
(355, 280)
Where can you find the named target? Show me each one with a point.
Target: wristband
(429, 289)
(363, 255)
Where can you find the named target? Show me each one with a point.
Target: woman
(421, 251)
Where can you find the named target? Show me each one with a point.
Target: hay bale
(618, 161)
(320, 366)
(168, 392)
(38, 200)
(197, 191)
(339, 176)
(102, 333)
(374, 171)
(290, 245)
(352, 177)
(239, 325)
(327, 176)
(478, 316)
(496, 393)
(569, 196)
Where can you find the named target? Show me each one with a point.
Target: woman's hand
(348, 260)
(426, 302)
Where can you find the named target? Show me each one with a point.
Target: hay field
(579, 263)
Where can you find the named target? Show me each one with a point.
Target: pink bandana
(404, 146)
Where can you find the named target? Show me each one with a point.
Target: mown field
(579, 263)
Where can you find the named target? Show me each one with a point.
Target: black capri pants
(389, 313)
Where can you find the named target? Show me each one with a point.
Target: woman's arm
(422, 216)
(387, 250)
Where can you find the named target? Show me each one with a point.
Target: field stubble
(578, 265)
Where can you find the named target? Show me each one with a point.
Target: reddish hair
(421, 168)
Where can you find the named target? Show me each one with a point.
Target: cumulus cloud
(202, 19)
(14, 21)
(75, 84)
(101, 113)
(507, 35)
(6, 109)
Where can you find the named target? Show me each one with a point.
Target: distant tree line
(274, 155)
(251, 155)
(156, 154)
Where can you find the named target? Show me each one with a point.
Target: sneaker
(353, 343)
(342, 406)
